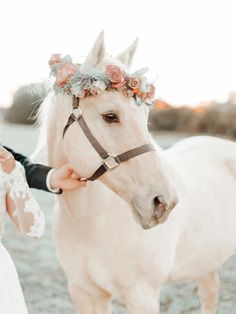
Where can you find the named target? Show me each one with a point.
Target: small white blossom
(78, 90)
(144, 85)
(97, 87)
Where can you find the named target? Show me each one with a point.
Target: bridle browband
(109, 162)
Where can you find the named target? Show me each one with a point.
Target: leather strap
(75, 102)
(98, 173)
(135, 152)
(121, 158)
(99, 149)
(70, 120)
(109, 162)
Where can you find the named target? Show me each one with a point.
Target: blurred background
(189, 47)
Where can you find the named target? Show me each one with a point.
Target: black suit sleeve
(36, 174)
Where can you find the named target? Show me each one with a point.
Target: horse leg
(86, 303)
(209, 287)
(143, 300)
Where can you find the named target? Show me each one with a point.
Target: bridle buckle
(77, 112)
(110, 162)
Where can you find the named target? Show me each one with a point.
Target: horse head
(119, 124)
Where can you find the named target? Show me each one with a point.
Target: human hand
(7, 160)
(66, 178)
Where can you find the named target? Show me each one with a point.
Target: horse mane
(43, 117)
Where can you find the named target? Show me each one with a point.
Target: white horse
(101, 248)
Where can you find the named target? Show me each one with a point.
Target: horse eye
(110, 117)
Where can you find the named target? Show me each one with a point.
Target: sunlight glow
(189, 45)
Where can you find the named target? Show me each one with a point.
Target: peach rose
(134, 82)
(65, 73)
(128, 92)
(115, 75)
(55, 58)
(137, 92)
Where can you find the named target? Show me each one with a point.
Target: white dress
(29, 220)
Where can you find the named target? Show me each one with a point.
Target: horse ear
(126, 56)
(97, 53)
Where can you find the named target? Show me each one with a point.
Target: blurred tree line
(212, 118)
(26, 101)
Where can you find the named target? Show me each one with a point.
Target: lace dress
(29, 220)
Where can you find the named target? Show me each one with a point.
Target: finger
(5, 151)
(75, 176)
(5, 154)
(68, 169)
(69, 172)
(65, 172)
(82, 183)
(7, 157)
(7, 160)
(2, 150)
(83, 179)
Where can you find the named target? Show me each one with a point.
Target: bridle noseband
(109, 162)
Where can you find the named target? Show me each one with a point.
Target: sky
(188, 45)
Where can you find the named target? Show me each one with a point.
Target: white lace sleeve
(2, 201)
(27, 212)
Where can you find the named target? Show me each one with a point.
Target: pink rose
(134, 82)
(55, 58)
(115, 75)
(151, 93)
(65, 73)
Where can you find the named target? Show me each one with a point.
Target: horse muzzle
(157, 214)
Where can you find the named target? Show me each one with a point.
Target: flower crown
(91, 81)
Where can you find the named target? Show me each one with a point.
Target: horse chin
(140, 221)
(153, 222)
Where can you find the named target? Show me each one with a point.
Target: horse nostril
(156, 201)
(159, 203)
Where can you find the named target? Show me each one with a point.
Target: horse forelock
(114, 61)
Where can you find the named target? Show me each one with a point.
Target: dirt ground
(42, 279)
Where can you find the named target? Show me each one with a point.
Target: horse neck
(89, 201)
(61, 107)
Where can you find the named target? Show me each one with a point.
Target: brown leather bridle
(109, 162)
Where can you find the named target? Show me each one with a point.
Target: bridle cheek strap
(109, 162)
(112, 162)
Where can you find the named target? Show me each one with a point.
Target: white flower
(97, 87)
(77, 90)
(144, 85)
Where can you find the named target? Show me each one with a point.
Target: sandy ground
(42, 279)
